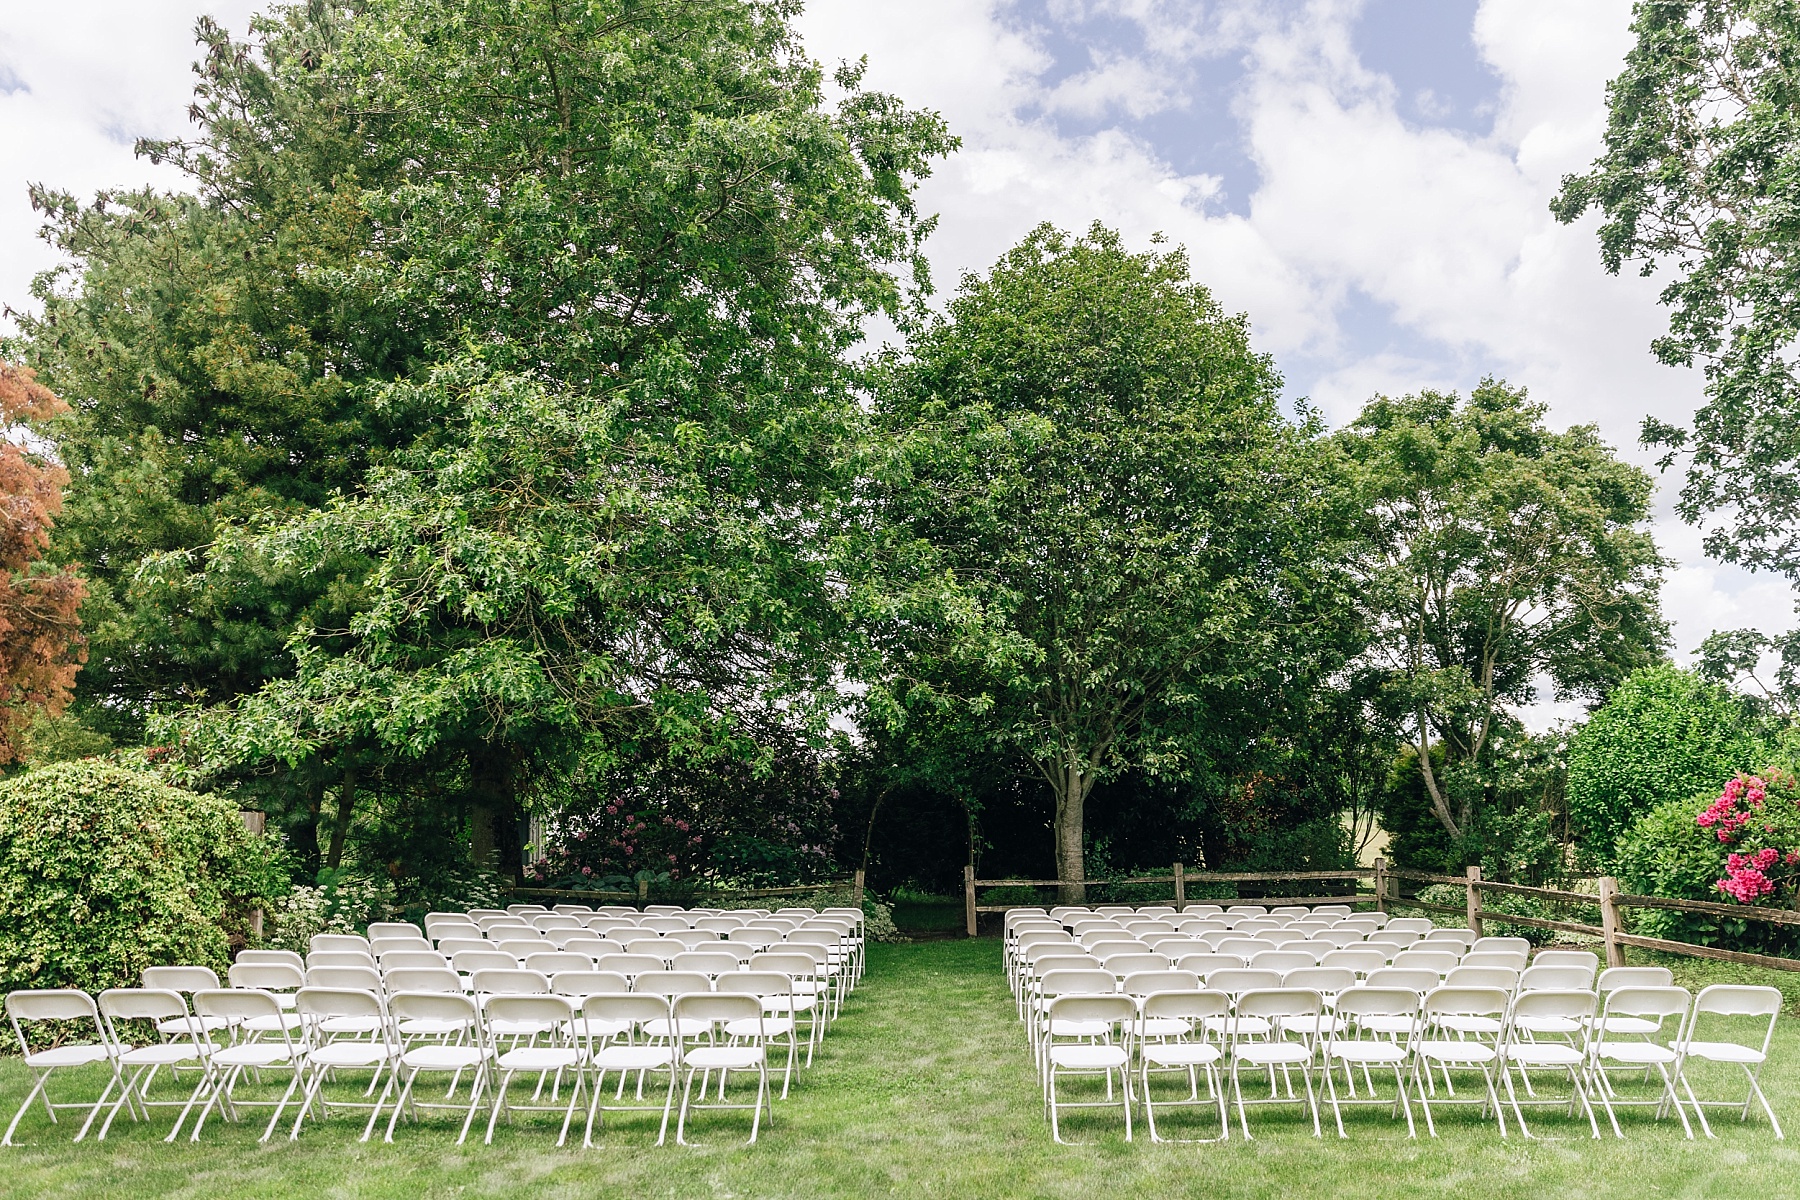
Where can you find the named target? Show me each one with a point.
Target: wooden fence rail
(854, 883)
(1611, 902)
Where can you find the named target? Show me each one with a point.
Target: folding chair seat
(276, 1048)
(24, 1008)
(1726, 1001)
(1371, 1022)
(550, 1017)
(256, 957)
(1608, 1046)
(1092, 1018)
(1558, 1010)
(341, 942)
(620, 1015)
(1289, 1012)
(1440, 1045)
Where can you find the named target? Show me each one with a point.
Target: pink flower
(587, 870)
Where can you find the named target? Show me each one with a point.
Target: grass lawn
(924, 1088)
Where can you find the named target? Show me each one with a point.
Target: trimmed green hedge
(105, 871)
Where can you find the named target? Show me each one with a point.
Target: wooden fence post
(857, 884)
(969, 897)
(1474, 904)
(1381, 885)
(643, 890)
(1609, 921)
(1180, 889)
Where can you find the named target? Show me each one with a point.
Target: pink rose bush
(1758, 817)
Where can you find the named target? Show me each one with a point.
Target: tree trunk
(306, 833)
(494, 834)
(334, 857)
(1072, 784)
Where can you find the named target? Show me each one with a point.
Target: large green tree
(1700, 178)
(1496, 553)
(1132, 541)
(650, 241)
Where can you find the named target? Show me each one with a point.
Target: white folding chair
(1630, 1047)
(429, 1053)
(747, 1050)
(186, 1046)
(345, 1029)
(273, 1048)
(1183, 1054)
(545, 1016)
(609, 1017)
(1452, 1037)
(57, 1004)
(1367, 1035)
(1089, 1021)
(341, 942)
(1726, 1001)
(1541, 1009)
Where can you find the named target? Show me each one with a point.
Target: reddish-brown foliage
(41, 646)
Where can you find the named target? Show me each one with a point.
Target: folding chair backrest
(555, 921)
(1504, 978)
(1280, 1002)
(663, 910)
(589, 983)
(1574, 1004)
(707, 962)
(663, 924)
(524, 948)
(592, 947)
(451, 947)
(1555, 979)
(1418, 925)
(1143, 983)
(1512, 945)
(1122, 965)
(515, 982)
(180, 979)
(719, 924)
(142, 1004)
(1081, 1006)
(1332, 910)
(1058, 962)
(1204, 965)
(287, 957)
(433, 1006)
(1729, 1000)
(1494, 958)
(1618, 977)
(409, 960)
(1282, 961)
(1413, 978)
(1248, 979)
(634, 1007)
(756, 983)
(1339, 938)
(630, 965)
(1568, 958)
(1078, 982)
(694, 938)
(1464, 936)
(382, 945)
(236, 1004)
(815, 937)
(51, 1004)
(422, 979)
(394, 929)
(340, 958)
(1244, 948)
(1377, 1002)
(543, 1008)
(1430, 960)
(1360, 959)
(468, 962)
(716, 1007)
(557, 962)
(1248, 910)
(1466, 1001)
(359, 979)
(1648, 1002)
(795, 966)
(1397, 938)
(1185, 1003)
(671, 983)
(267, 977)
(1328, 981)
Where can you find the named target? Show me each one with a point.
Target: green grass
(924, 1088)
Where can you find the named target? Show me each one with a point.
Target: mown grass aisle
(924, 1088)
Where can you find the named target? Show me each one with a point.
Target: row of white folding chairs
(408, 1034)
(1471, 1028)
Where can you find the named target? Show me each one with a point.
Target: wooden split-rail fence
(1385, 893)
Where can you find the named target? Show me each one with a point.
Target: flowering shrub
(1758, 818)
(342, 903)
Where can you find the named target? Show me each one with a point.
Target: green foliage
(1498, 552)
(1116, 540)
(1699, 179)
(1668, 853)
(105, 871)
(1516, 835)
(1664, 734)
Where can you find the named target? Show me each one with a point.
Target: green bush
(105, 871)
(1665, 735)
(1668, 853)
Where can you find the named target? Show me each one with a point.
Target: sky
(1368, 179)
